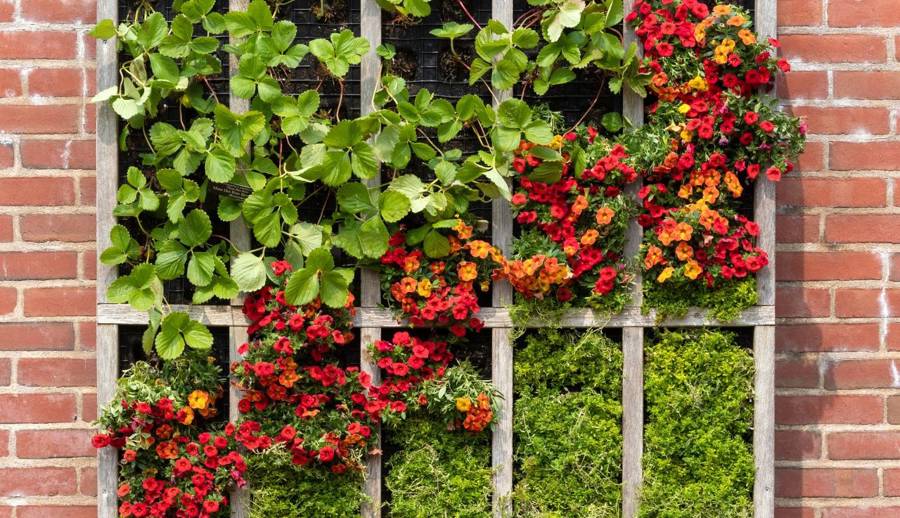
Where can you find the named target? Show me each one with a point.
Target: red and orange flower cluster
(478, 414)
(170, 466)
(574, 227)
(719, 134)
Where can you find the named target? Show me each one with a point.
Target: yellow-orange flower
(462, 230)
(410, 264)
(683, 232)
(653, 257)
(698, 83)
(463, 404)
(187, 417)
(590, 237)
(733, 184)
(424, 288)
(198, 399)
(684, 251)
(692, 269)
(736, 20)
(467, 271)
(721, 10)
(685, 191)
(288, 378)
(408, 284)
(665, 274)
(605, 215)
(710, 194)
(747, 36)
(580, 204)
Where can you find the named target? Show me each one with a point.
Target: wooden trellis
(371, 319)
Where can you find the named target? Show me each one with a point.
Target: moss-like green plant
(725, 303)
(438, 473)
(567, 423)
(285, 490)
(698, 460)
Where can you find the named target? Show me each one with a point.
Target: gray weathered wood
(502, 439)
(215, 316)
(633, 111)
(764, 421)
(107, 164)
(765, 20)
(370, 284)
(632, 418)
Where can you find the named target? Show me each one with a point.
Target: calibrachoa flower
(574, 226)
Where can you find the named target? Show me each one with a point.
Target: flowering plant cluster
(439, 291)
(573, 222)
(710, 134)
(176, 459)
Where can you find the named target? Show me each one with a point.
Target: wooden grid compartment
(371, 318)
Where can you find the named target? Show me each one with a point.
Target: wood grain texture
(107, 458)
(633, 112)
(372, 482)
(764, 421)
(765, 20)
(632, 419)
(502, 439)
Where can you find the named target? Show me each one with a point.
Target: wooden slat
(764, 200)
(632, 418)
(633, 111)
(370, 284)
(107, 155)
(764, 421)
(502, 438)
(216, 316)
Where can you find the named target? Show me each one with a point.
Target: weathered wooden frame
(371, 318)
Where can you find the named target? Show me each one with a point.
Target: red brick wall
(838, 403)
(838, 339)
(47, 258)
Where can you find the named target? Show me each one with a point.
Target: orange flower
(721, 10)
(590, 237)
(167, 450)
(186, 416)
(736, 20)
(467, 271)
(683, 232)
(733, 184)
(408, 284)
(424, 288)
(684, 251)
(605, 215)
(685, 191)
(653, 257)
(747, 36)
(692, 269)
(580, 204)
(410, 264)
(479, 249)
(462, 230)
(198, 399)
(288, 378)
(708, 217)
(710, 194)
(463, 404)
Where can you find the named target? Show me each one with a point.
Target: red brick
(69, 511)
(892, 482)
(865, 156)
(863, 13)
(796, 373)
(893, 337)
(6, 512)
(4, 446)
(834, 48)
(6, 228)
(841, 120)
(865, 445)
(796, 85)
(38, 265)
(37, 45)
(895, 267)
(832, 192)
(853, 374)
(89, 260)
(50, 444)
(827, 337)
(802, 302)
(58, 227)
(56, 82)
(893, 409)
(87, 191)
(5, 371)
(861, 512)
(57, 372)
(90, 115)
(37, 336)
(7, 10)
(828, 409)
(795, 512)
(17, 482)
(870, 84)
(10, 83)
(828, 266)
(58, 154)
(7, 156)
(89, 407)
(863, 228)
(897, 48)
(8, 297)
(797, 445)
(87, 334)
(866, 303)
(37, 408)
(59, 11)
(39, 118)
(812, 158)
(822, 482)
(87, 482)
(799, 12)
(797, 229)
(36, 191)
(51, 302)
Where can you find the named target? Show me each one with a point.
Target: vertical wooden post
(632, 337)
(370, 287)
(501, 346)
(107, 182)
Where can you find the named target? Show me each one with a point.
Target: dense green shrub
(438, 472)
(285, 490)
(724, 303)
(567, 426)
(698, 459)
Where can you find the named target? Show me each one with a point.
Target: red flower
(326, 454)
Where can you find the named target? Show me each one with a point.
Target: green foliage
(283, 489)
(698, 460)
(567, 423)
(724, 302)
(438, 473)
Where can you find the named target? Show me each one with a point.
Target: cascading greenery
(290, 149)
(567, 425)
(698, 459)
